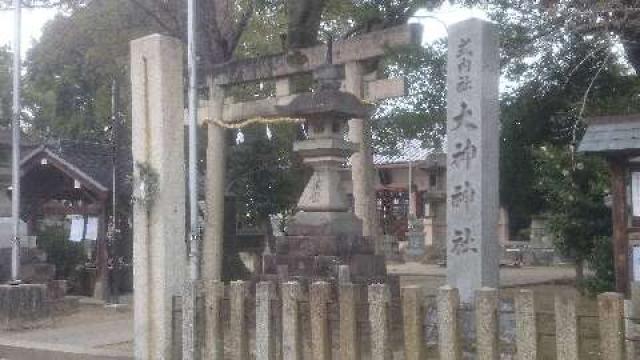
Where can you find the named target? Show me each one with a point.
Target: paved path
(92, 333)
(37, 351)
(509, 277)
(431, 277)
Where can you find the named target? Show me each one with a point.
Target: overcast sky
(32, 22)
(34, 19)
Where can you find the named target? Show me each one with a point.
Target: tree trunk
(304, 22)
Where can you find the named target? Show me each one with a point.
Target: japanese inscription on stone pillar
(472, 157)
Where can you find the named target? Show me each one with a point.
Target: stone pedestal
(317, 244)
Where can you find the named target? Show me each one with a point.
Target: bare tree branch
(591, 54)
(586, 94)
(241, 26)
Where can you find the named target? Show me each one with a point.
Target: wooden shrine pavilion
(618, 139)
(65, 178)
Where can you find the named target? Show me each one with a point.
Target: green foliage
(574, 187)
(555, 91)
(265, 174)
(66, 255)
(360, 16)
(263, 33)
(601, 263)
(422, 114)
(70, 70)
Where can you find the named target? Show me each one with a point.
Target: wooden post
(487, 323)
(265, 331)
(619, 218)
(379, 298)
(632, 314)
(189, 313)
(610, 313)
(102, 289)
(566, 328)
(448, 337)
(320, 337)
(213, 348)
(526, 333)
(291, 327)
(349, 340)
(412, 317)
(238, 333)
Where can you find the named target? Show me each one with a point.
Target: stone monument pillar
(472, 157)
(159, 250)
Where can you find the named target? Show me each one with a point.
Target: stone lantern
(323, 234)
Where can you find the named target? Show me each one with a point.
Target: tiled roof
(612, 134)
(409, 150)
(94, 160)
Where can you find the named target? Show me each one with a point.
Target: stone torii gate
(356, 55)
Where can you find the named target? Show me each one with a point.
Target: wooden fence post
(214, 329)
(349, 339)
(448, 337)
(611, 319)
(320, 337)
(265, 329)
(412, 317)
(566, 328)
(291, 329)
(379, 298)
(526, 332)
(487, 323)
(189, 323)
(238, 326)
(632, 315)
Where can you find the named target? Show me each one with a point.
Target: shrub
(66, 255)
(601, 263)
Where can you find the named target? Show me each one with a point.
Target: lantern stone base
(318, 243)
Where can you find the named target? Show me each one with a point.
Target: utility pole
(15, 173)
(189, 342)
(114, 147)
(192, 64)
(111, 273)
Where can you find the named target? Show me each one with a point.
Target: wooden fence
(348, 322)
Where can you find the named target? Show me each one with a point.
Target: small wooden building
(66, 178)
(618, 139)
